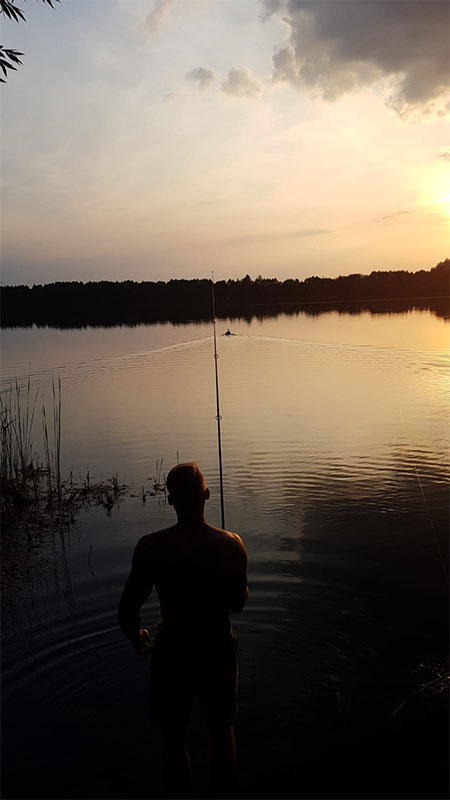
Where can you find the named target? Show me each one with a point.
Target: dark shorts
(183, 668)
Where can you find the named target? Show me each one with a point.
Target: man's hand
(142, 646)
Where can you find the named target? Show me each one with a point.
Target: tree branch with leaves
(9, 58)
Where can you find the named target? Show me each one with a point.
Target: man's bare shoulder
(151, 541)
(231, 540)
(238, 543)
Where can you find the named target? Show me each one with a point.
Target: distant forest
(104, 303)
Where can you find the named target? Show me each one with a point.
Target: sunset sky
(150, 139)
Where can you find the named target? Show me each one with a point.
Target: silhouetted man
(200, 574)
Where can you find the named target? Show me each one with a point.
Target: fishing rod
(218, 414)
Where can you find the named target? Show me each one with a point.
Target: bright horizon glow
(445, 201)
(148, 140)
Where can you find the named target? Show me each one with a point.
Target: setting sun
(445, 202)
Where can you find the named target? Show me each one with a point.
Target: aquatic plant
(16, 421)
(159, 479)
(32, 490)
(33, 494)
(18, 464)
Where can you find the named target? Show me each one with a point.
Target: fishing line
(218, 414)
(422, 689)
(430, 519)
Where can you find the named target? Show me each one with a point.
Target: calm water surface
(335, 445)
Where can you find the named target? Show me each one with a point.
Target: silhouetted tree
(74, 304)
(10, 59)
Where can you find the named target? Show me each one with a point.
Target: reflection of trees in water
(107, 303)
(248, 313)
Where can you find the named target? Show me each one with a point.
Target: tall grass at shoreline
(33, 492)
(16, 425)
(53, 456)
(21, 470)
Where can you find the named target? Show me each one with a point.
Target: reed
(16, 431)
(57, 433)
(47, 455)
(33, 493)
(23, 427)
(159, 479)
(53, 455)
(25, 479)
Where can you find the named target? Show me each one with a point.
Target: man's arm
(135, 593)
(239, 591)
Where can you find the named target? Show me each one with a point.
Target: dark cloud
(240, 82)
(204, 77)
(338, 46)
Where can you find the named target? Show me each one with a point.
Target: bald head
(187, 488)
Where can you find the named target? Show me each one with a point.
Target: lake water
(336, 467)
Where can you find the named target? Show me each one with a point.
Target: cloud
(312, 232)
(155, 19)
(395, 214)
(444, 155)
(240, 82)
(271, 7)
(171, 97)
(204, 77)
(274, 236)
(334, 47)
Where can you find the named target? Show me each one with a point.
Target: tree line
(75, 304)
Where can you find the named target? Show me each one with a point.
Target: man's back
(199, 573)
